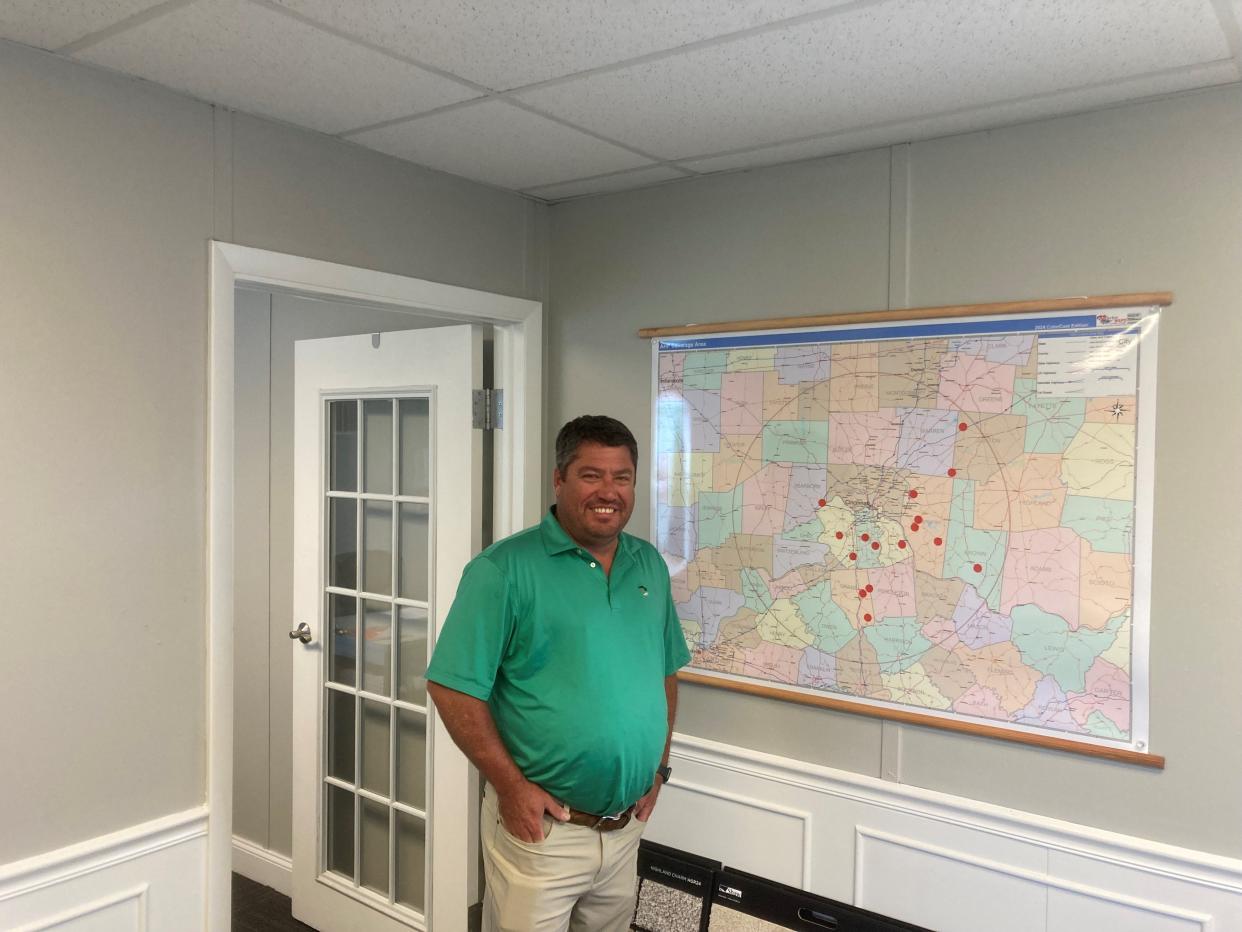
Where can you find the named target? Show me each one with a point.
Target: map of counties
(935, 517)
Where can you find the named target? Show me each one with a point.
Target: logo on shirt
(643, 590)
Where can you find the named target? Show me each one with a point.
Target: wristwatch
(664, 772)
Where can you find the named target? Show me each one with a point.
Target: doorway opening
(260, 303)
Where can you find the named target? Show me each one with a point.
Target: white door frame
(517, 493)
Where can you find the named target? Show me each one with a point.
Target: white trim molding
(262, 865)
(146, 876)
(942, 861)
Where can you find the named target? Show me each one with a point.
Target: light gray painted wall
(110, 191)
(1143, 197)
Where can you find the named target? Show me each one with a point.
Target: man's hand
(646, 803)
(522, 808)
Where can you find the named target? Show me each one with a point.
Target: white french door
(387, 513)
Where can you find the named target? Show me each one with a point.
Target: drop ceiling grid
(896, 61)
(501, 144)
(618, 181)
(520, 42)
(637, 93)
(242, 55)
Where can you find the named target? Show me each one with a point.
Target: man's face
(595, 497)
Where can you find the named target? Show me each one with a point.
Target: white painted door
(386, 485)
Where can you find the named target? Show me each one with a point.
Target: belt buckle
(621, 818)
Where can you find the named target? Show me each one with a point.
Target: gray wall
(1144, 197)
(109, 191)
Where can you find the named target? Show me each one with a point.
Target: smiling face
(595, 495)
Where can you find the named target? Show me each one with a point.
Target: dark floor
(257, 908)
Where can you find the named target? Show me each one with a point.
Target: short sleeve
(468, 652)
(676, 653)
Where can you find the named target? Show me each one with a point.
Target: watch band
(665, 772)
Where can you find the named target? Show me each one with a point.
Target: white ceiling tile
(519, 42)
(881, 63)
(967, 121)
(962, 122)
(620, 182)
(246, 56)
(501, 144)
(50, 24)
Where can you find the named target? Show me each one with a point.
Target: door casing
(518, 329)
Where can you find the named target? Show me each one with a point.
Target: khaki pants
(575, 879)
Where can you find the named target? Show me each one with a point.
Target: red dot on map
(952, 472)
(901, 544)
(961, 426)
(914, 527)
(862, 593)
(853, 555)
(875, 545)
(870, 588)
(866, 536)
(914, 493)
(867, 616)
(918, 519)
(938, 541)
(978, 568)
(840, 535)
(822, 502)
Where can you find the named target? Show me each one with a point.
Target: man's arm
(645, 805)
(470, 724)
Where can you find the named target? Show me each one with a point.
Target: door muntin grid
(376, 603)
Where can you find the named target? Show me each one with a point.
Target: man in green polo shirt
(556, 675)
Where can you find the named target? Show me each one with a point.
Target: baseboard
(149, 876)
(262, 865)
(938, 860)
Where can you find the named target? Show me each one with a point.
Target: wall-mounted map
(950, 517)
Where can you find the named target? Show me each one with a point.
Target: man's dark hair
(592, 428)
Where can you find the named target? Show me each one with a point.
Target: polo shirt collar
(556, 540)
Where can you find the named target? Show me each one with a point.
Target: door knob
(301, 633)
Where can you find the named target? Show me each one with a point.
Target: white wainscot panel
(755, 835)
(146, 878)
(124, 911)
(944, 889)
(1153, 890)
(1101, 909)
(946, 862)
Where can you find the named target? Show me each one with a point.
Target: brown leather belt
(599, 822)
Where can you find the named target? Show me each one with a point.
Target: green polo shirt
(570, 661)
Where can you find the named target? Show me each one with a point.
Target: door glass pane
(377, 547)
(411, 861)
(340, 735)
(340, 823)
(343, 542)
(412, 656)
(412, 758)
(415, 441)
(377, 648)
(343, 425)
(375, 746)
(415, 565)
(374, 867)
(377, 451)
(342, 622)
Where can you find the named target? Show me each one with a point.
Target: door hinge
(488, 408)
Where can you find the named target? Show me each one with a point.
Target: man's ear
(557, 479)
